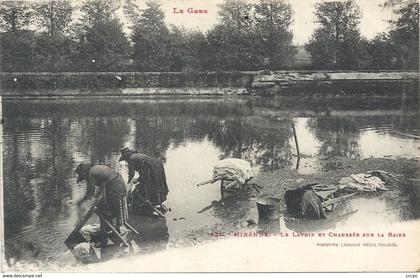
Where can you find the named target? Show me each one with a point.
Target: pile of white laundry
(233, 169)
(371, 181)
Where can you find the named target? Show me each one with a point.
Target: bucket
(269, 226)
(268, 208)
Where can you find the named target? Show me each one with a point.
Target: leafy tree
(14, 16)
(53, 48)
(405, 33)
(16, 51)
(132, 12)
(337, 43)
(251, 36)
(95, 11)
(231, 42)
(53, 54)
(102, 45)
(179, 52)
(151, 40)
(54, 16)
(382, 53)
(16, 41)
(236, 13)
(197, 48)
(397, 49)
(274, 38)
(187, 49)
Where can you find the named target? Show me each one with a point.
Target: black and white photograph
(209, 136)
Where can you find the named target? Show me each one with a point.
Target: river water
(44, 140)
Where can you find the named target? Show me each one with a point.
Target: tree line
(55, 36)
(338, 44)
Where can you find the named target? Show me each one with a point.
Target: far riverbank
(330, 83)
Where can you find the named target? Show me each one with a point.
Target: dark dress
(152, 180)
(303, 202)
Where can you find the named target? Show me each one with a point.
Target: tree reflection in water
(261, 141)
(101, 137)
(53, 170)
(44, 141)
(252, 139)
(339, 137)
(408, 120)
(153, 232)
(19, 198)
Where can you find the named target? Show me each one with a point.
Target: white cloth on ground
(362, 182)
(233, 169)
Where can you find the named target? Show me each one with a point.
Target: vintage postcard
(210, 136)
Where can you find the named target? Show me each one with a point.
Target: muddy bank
(239, 208)
(277, 182)
(405, 193)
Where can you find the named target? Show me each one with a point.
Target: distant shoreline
(223, 83)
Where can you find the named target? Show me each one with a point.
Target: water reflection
(44, 141)
(340, 214)
(57, 165)
(153, 232)
(261, 141)
(233, 207)
(371, 210)
(338, 137)
(100, 137)
(19, 198)
(409, 103)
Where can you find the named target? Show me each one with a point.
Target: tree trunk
(52, 18)
(13, 22)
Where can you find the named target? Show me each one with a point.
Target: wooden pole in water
(297, 163)
(296, 140)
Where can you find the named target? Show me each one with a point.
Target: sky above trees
(373, 19)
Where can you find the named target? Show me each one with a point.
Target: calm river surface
(44, 140)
